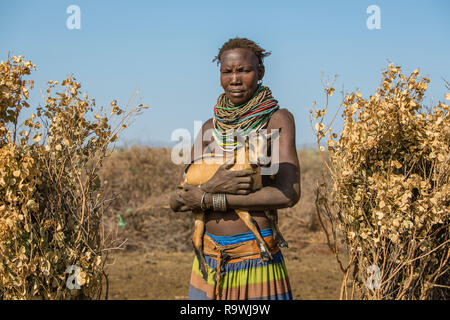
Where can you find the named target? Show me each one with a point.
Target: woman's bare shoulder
(207, 125)
(280, 118)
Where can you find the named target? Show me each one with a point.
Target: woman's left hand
(190, 196)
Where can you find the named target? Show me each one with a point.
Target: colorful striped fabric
(243, 278)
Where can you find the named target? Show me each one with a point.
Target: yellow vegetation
(51, 201)
(390, 194)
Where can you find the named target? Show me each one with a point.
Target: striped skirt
(243, 275)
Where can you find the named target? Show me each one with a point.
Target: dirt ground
(137, 274)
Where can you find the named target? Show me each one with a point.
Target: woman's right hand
(226, 181)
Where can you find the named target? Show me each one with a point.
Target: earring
(259, 82)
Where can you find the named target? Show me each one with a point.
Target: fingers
(227, 165)
(246, 179)
(180, 196)
(182, 206)
(187, 187)
(241, 173)
(245, 186)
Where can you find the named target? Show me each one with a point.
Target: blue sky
(165, 49)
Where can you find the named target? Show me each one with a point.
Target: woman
(245, 105)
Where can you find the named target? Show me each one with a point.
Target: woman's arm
(223, 181)
(284, 192)
(286, 189)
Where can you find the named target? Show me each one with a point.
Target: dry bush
(51, 203)
(138, 175)
(390, 194)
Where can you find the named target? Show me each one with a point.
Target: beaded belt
(234, 253)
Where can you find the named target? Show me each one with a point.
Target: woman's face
(239, 74)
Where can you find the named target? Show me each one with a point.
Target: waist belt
(234, 253)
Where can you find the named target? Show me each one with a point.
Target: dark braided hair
(243, 43)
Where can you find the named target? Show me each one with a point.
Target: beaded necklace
(248, 117)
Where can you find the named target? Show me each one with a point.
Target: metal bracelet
(214, 202)
(219, 202)
(202, 202)
(224, 201)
